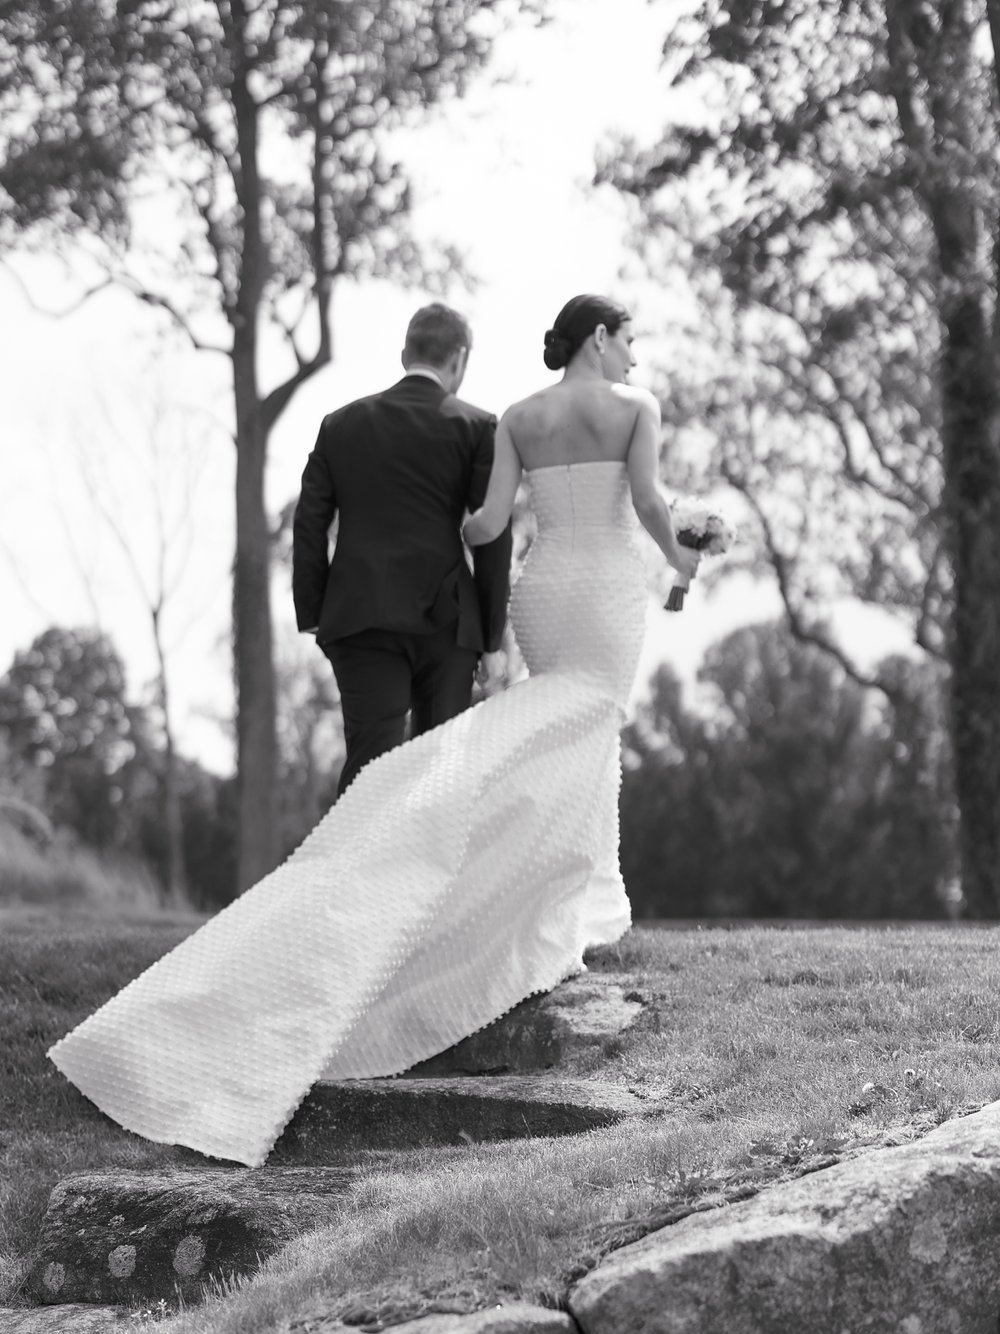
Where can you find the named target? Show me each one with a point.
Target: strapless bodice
(580, 603)
(570, 496)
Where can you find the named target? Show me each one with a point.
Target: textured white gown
(460, 873)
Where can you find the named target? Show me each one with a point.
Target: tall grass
(64, 875)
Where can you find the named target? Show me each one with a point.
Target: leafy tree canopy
(797, 794)
(266, 117)
(817, 158)
(70, 732)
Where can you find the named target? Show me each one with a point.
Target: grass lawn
(55, 967)
(762, 1053)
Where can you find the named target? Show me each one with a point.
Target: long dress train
(459, 874)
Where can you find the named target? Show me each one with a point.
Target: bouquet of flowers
(704, 529)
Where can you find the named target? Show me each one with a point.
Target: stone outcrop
(135, 1237)
(132, 1238)
(902, 1240)
(906, 1242)
(578, 1017)
(342, 1119)
(517, 1318)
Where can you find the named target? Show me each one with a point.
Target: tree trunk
(970, 421)
(256, 725)
(972, 499)
(255, 703)
(176, 879)
(176, 886)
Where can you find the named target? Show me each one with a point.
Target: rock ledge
(905, 1241)
(338, 1120)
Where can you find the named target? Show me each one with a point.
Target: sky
(112, 434)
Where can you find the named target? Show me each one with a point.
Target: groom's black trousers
(383, 674)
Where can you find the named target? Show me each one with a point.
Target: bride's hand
(687, 562)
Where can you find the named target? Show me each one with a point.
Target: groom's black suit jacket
(399, 469)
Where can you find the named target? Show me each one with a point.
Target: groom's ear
(457, 363)
(404, 359)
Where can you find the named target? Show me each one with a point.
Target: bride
(461, 872)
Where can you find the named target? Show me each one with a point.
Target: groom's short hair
(435, 333)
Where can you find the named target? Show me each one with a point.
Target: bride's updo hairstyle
(575, 323)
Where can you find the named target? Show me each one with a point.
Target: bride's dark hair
(575, 323)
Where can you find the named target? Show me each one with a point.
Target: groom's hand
(490, 667)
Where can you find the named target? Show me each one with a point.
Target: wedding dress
(457, 875)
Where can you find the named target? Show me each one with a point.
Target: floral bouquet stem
(675, 598)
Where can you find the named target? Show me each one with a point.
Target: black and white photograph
(500, 666)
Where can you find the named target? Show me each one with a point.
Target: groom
(397, 611)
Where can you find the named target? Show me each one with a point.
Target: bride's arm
(492, 517)
(643, 474)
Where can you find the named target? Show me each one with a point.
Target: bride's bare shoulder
(636, 397)
(526, 410)
(540, 396)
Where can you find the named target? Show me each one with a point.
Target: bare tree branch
(217, 244)
(277, 400)
(96, 495)
(801, 628)
(835, 411)
(22, 582)
(908, 491)
(291, 328)
(71, 309)
(130, 284)
(324, 274)
(160, 302)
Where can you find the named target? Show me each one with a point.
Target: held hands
(489, 667)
